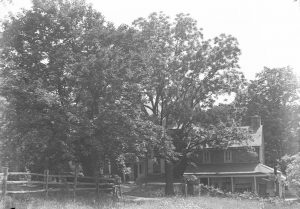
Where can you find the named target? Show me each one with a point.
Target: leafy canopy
(274, 95)
(70, 98)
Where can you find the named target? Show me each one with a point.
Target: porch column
(208, 181)
(232, 185)
(280, 185)
(255, 185)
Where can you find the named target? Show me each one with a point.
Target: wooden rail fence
(39, 183)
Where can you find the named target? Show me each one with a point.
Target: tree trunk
(88, 165)
(169, 190)
(180, 167)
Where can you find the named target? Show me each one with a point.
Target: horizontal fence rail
(55, 183)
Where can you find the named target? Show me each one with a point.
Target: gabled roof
(256, 137)
(229, 169)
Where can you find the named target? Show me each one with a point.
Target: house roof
(256, 138)
(229, 169)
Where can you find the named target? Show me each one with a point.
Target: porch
(256, 178)
(258, 184)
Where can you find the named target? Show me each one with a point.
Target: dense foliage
(274, 95)
(183, 75)
(293, 171)
(69, 96)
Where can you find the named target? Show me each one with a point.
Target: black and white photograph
(150, 104)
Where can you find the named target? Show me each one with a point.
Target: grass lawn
(87, 201)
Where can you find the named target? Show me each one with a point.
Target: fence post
(75, 182)
(124, 177)
(185, 189)
(44, 180)
(97, 185)
(4, 181)
(120, 190)
(46, 177)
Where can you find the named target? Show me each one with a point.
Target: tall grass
(88, 201)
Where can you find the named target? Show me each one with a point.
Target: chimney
(255, 122)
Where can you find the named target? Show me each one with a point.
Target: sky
(268, 31)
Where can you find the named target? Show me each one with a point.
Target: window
(227, 156)
(206, 156)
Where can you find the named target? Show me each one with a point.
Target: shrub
(293, 172)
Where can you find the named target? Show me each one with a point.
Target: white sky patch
(225, 99)
(268, 31)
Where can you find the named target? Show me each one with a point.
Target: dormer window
(227, 156)
(206, 156)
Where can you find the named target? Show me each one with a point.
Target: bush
(212, 191)
(293, 172)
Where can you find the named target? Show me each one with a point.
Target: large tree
(78, 88)
(182, 75)
(64, 76)
(274, 95)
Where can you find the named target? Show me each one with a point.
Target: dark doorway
(262, 190)
(204, 181)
